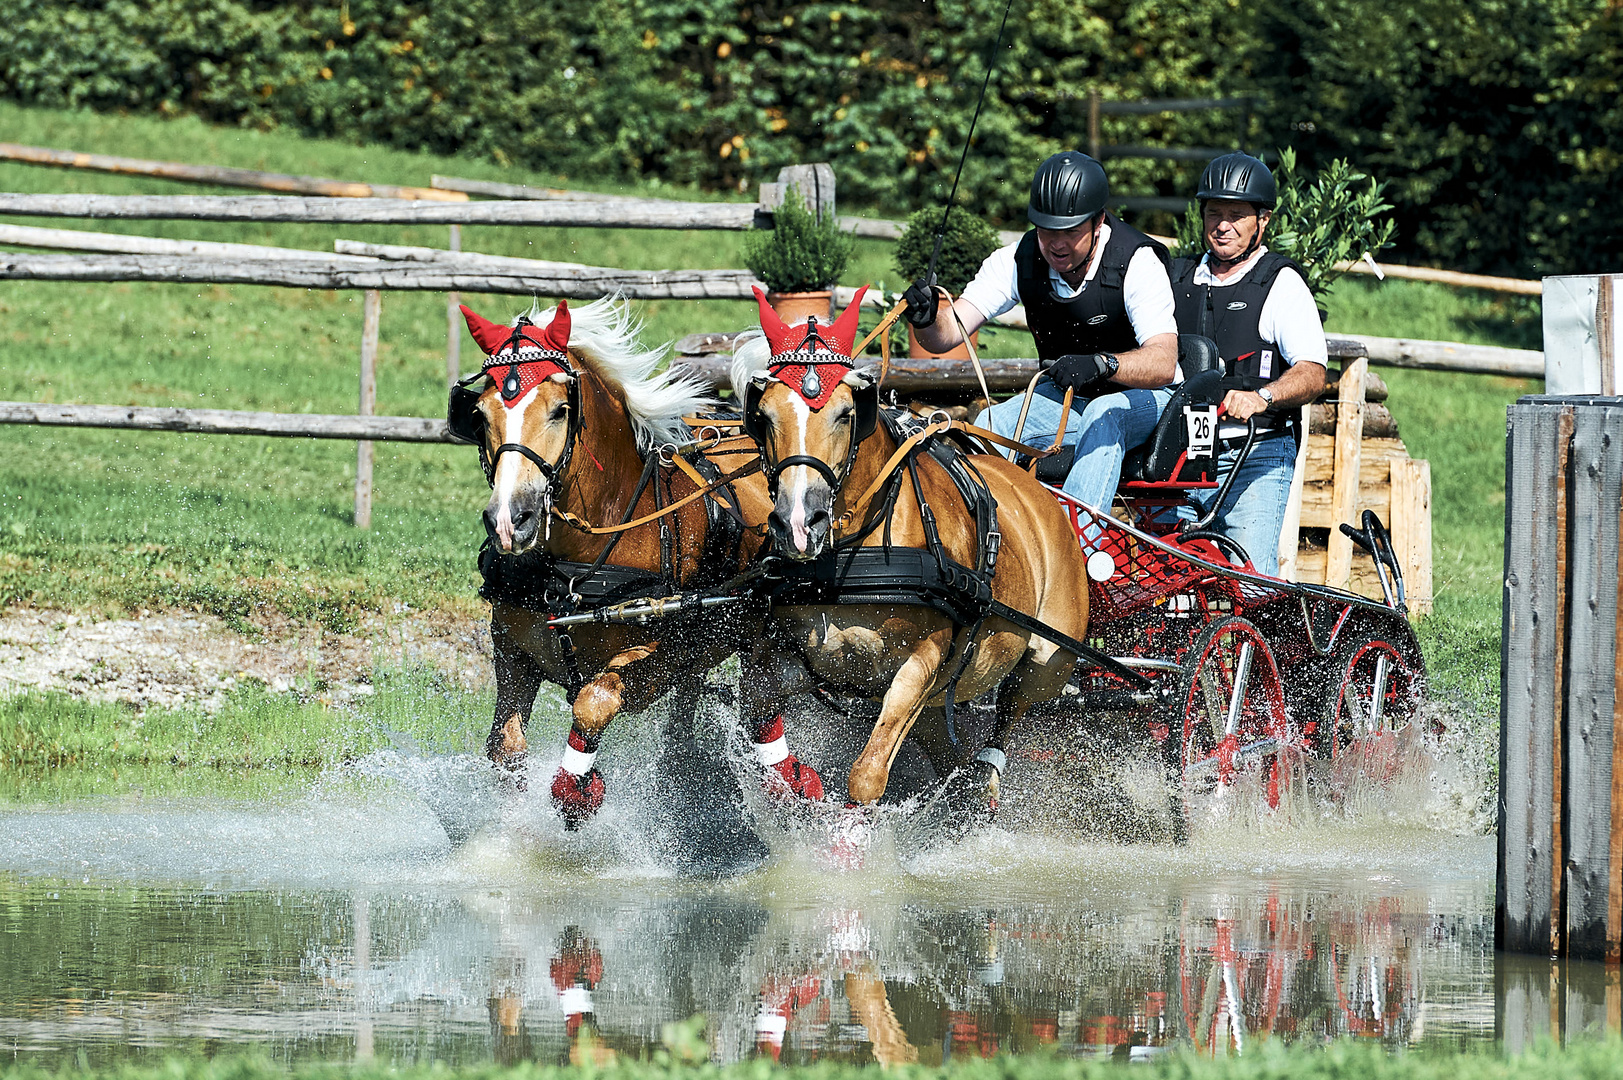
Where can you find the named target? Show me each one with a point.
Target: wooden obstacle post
(1290, 530)
(453, 318)
(1560, 874)
(372, 311)
(1349, 458)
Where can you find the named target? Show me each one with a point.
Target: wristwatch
(1267, 395)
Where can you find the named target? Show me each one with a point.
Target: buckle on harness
(994, 541)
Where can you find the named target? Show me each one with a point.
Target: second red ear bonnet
(809, 358)
(530, 353)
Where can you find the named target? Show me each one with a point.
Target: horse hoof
(793, 777)
(577, 797)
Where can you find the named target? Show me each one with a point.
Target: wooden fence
(1560, 876)
(375, 268)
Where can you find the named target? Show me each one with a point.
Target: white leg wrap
(575, 999)
(770, 1025)
(770, 753)
(994, 757)
(577, 762)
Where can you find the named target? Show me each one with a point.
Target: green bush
(965, 245)
(800, 253)
(720, 93)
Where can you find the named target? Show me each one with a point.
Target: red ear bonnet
(531, 354)
(811, 359)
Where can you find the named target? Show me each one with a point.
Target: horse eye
(559, 411)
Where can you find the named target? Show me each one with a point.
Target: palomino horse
(570, 425)
(814, 419)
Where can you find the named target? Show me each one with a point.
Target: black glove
(922, 300)
(1075, 371)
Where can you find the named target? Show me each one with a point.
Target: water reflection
(926, 964)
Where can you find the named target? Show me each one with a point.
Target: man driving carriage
(1099, 304)
(1255, 304)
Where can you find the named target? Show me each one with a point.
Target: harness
(852, 572)
(540, 582)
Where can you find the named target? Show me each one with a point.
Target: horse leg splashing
(855, 608)
(565, 430)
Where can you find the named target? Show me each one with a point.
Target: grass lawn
(109, 523)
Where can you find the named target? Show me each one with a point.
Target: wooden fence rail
(1560, 874)
(229, 422)
(615, 214)
(221, 175)
(327, 272)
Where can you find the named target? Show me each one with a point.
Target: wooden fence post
(1344, 484)
(1411, 529)
(372, 310)
(1290, 532)
(1560, 879)
(453, 319)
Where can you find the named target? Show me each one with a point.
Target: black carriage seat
(1157, 459)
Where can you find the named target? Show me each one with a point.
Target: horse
(816, 419)
(574, 425)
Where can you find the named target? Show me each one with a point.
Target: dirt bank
(170, 659)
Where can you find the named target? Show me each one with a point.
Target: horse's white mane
(605, 335)
(750, 354)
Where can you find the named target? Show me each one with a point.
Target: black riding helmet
(1241, 177)
(1069, 189)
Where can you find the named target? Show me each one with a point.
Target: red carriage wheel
(1373, 687)
(1371, 697)
(1231, 714)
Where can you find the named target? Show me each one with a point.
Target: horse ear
(557, 333)
(844, 330)
(489, 335)
(776, 330)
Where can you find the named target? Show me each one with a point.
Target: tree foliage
(1497, 123)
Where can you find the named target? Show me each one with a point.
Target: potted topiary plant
(967, 243)
(799, 259)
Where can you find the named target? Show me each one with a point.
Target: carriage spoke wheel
(1373, 694)
(1231, 717)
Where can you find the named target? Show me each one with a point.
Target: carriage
(1238, 674)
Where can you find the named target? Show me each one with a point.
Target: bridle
(519, 352)
(811, 389)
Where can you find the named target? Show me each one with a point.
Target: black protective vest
(1095, 321)
(1231, 314)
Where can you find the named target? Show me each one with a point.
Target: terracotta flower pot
(793, 307)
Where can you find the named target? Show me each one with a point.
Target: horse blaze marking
(507, 475)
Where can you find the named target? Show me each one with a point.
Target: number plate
(1202, 424)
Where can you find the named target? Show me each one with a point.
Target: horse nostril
(490, 520)
(522, 518)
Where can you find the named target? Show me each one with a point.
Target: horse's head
(808, 409)
(525, 421)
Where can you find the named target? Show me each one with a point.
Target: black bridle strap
(549, 472)
(817, 465)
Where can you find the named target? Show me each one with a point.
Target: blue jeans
(1102, 432)
(1254, 512)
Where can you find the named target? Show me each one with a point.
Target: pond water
(344, 924)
